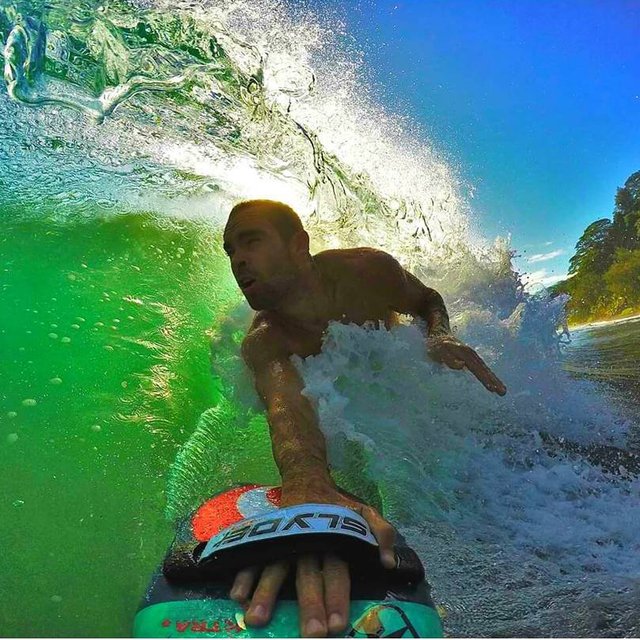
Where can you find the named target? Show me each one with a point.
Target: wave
(181, 109)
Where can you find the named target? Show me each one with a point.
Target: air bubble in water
(12, 437)
(29, 402)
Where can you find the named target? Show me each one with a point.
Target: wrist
(435, 336)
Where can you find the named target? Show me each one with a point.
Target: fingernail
(336, 621)
(257, 612)
(314, 628)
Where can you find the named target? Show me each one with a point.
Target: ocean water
(127, 130)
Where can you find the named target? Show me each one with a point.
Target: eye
(253, 241)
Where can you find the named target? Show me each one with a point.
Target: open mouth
(246, 283)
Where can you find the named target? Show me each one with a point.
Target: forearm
(299, 446)
(434, 312)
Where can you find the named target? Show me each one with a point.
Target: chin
(260, 304)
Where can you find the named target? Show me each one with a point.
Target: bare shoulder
(361, 263)
(357, 259)
(265, 339)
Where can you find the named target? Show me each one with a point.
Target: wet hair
(281, 216)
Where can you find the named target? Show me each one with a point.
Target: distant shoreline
(602, 323)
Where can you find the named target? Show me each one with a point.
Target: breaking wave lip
(183, 111)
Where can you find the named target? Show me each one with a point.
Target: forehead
(246, 219)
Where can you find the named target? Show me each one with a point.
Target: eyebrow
(244, 235)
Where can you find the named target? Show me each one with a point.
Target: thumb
(384, 533)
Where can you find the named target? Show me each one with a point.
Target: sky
(536, 103)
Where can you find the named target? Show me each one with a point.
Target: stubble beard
(272, 295)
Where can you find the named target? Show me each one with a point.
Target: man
(296, 295)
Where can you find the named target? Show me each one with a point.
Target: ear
(299, 243)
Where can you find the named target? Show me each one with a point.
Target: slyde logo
(310, 522)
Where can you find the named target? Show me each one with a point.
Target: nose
(238, 260)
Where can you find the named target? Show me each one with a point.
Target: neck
(309, 303)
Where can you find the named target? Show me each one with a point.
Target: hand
(448, 350)
(322, 581)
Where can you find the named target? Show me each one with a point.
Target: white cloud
(542, 278)
(541, 257)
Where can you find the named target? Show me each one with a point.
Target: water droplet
(56, 598)
(96, 428)
(75, 326)
(12, 437)
(124, 384)
(65, 339)
(56, 381)
(53, 336)
(12, 414)
(99, 324)
(53, 325)
(17, 503)
(72, 276)
(29, 402)
(108, 347)
(80, 319)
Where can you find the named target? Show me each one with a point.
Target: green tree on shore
(605, 268)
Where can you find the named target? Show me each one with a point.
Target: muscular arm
(406, 294)
(299, 447)
(419, 300)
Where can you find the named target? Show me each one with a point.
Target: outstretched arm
(299, 449)
(408, 295)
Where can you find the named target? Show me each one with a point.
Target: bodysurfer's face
(261, 260)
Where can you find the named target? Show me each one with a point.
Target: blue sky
(536, 102)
